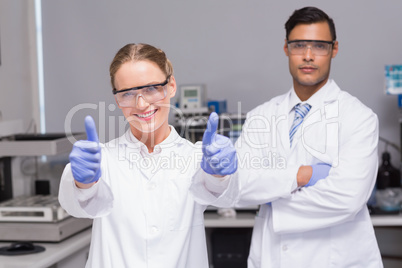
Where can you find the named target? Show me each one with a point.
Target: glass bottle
(388, 185)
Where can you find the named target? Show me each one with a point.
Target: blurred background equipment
(219, 107)
(387, 193)
(38, 217)
(192, 96)
(386, 197)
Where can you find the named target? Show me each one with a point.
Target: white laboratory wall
(15, 54)
(235, 47)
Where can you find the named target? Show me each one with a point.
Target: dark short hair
(309, 15)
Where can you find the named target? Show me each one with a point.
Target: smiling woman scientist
(144, 215)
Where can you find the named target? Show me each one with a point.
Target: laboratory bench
(246, 219)
(73, 251)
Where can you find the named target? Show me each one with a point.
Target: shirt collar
(314, 100)
(132, 142)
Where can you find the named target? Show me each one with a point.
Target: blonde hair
(140, 52)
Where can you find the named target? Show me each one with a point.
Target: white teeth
(147, 114)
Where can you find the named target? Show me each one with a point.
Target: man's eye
(299, 45)
(320, 46)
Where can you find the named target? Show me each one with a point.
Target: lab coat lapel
(128, 147)
(282, 124)
(130, 151)
(314, 129)
(319, 130)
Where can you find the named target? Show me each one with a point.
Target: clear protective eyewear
(317, 47)
(150, 93)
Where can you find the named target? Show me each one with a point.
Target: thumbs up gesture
(219, 154)
(85, 156)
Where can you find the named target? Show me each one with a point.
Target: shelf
(38, 144)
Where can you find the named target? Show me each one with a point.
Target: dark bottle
(388, 176)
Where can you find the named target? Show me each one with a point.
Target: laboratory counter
(57, 252)
(246, 219)
(54, 253)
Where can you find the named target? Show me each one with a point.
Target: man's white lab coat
(328, 224)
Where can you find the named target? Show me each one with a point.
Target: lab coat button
(284, 248)
(154, 230)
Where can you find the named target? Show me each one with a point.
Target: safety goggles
(317, 47)
(150, 93)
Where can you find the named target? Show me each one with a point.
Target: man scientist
(317, 124)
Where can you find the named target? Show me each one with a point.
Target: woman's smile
(147, 115)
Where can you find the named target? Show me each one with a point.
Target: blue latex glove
(219, 154)
(320, 171)
(85, 156)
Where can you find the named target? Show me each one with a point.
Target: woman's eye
(128, 94)
(150, 89)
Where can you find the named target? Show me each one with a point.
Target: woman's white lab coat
(143, 213)
(328, 224)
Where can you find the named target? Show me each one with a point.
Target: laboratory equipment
(217, 106)
(388, 176)
(35, 208)
(400, 101)
(30, 145)
(388, 191)
(393, 79)
(6, 191)
(191, 128)
(191, 117)
(21, 248)
(192, 96)
(37, 144)
(231, 125)
(387, 194)
(36, 218)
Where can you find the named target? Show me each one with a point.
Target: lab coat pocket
(184, 212)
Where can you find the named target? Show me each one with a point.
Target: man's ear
(335, 48)
(285, 48)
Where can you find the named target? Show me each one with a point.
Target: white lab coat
(328, 224)
(143, 213)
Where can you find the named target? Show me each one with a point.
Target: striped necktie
(300, 113)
